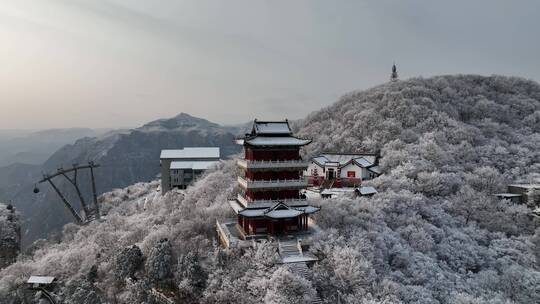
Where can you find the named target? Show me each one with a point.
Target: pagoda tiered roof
(280, 209)
(271, 127)
(272, 168)
(257, 204)
(272, 133)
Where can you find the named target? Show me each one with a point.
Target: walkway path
(292, 255)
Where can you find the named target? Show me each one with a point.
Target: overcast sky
(116, 63)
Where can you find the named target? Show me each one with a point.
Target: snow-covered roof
(507, 195)
(235, 206)
(194, 164)
(321, 160)
(277, 141)
(252, 212)
(308, 209)
(367, 190)
(279, 210)
(283, 213)
(40, 280)
(363, 162)
(344, 158)
(375, 169)
(271, 127)
(526, 186)
(191, 153)
(336, 191)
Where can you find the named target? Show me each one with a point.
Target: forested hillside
(433, 234)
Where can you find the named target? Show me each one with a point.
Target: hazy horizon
(119, 63)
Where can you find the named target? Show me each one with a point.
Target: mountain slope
(491, 121)
(125, 156)
(34, 147)
(433, 233)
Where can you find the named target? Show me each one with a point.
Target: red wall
(269, 154)
(272, 175)
(272, 227)
(278, 194)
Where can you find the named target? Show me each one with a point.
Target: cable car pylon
(90, 213)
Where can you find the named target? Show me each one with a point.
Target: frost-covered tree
(159, 265)
(286, 287)
(82, 292)
(190, 277)
(128, 261)
(533, 198)
(10, 235)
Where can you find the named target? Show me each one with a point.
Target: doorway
(330, 173)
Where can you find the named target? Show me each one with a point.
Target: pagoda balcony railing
(272, 164)
(269, 203)
(272, 184)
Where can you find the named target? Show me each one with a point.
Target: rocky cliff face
(125, 156)
(10, 235)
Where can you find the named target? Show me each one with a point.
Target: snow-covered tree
(286, 287)
(128, 261)
(159, 265)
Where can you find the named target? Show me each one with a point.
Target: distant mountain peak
(181, 120)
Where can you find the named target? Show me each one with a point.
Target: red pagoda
(270, 202)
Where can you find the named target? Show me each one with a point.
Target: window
(351, 174)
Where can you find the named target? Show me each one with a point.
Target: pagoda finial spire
(394, 76)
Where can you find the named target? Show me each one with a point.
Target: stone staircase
(291, 249)
(300, 269)
(327, 184)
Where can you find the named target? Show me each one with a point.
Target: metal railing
(269, 203)
(260, 164)
(275, 183)
(224, 234)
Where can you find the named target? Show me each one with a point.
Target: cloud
(231, 60)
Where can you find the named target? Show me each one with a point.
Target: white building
(347, 168)
(180, 167)
(37, 282)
